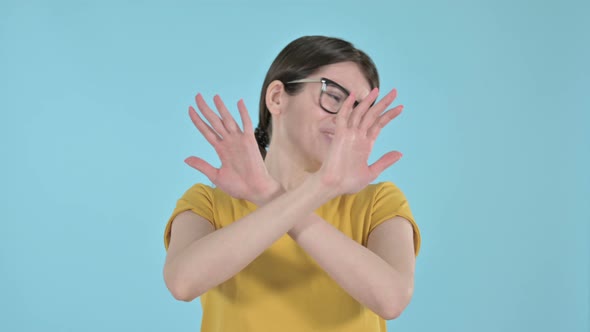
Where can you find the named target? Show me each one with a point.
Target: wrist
(299, 227)
(271, 191)
(322, 187)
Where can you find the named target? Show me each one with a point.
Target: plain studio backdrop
(94, 130)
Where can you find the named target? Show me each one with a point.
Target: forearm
(359, 271)
(221, 254)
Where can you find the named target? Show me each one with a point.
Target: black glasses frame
(325, 82)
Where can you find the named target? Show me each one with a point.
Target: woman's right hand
(242, 174)
(345, 169)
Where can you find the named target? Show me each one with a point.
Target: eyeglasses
(332, 96)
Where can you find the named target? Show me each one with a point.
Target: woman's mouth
(329, 136)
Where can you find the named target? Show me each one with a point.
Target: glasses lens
(333, 97)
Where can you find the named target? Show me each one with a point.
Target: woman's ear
(275, 96)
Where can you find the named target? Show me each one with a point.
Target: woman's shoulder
(379, 188)
(201, 188)
(383, 184)
(215, 196)
(369, 195)
(199, 192)
(206, 188)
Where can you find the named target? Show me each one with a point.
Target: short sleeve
(198, 199)
(389, 201)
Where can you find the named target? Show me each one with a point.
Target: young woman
(297, 238)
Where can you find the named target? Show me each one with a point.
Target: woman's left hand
(345, 169)
(242, 174)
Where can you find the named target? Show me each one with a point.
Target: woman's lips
(328, 135)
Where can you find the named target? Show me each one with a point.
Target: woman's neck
(287, 168)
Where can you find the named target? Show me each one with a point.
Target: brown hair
(300, 59)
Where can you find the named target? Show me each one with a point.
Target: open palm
(242, 174)
(345, 167)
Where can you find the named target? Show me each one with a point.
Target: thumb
(384, 162)
(203, 167)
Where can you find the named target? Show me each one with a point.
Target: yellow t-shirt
(283, 289)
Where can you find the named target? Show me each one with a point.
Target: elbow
(179, 287)
(180, 293)
(390, 313)
(393, 306)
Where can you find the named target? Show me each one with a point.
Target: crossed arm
(379, 276)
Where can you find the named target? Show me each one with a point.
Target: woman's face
(306, 129)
